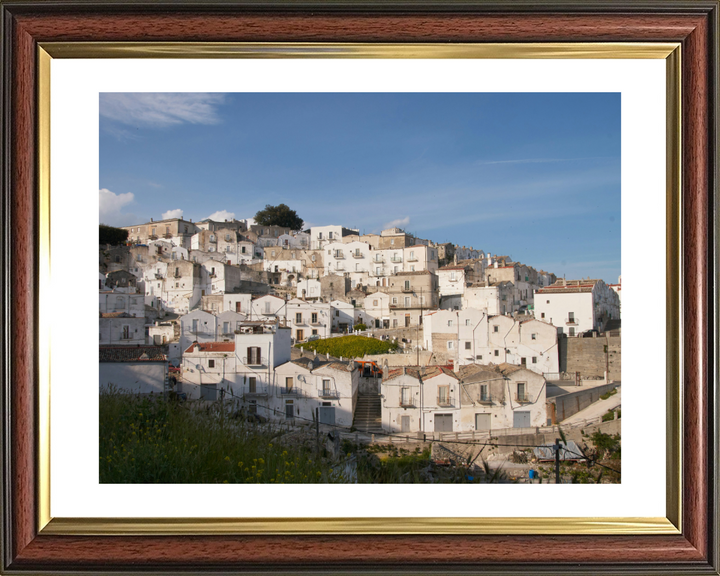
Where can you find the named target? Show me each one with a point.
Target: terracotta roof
(416, 273)
(132, 354)
(212, 347)
(424, 372)
(116, 315)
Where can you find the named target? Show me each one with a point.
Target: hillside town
(483, 346)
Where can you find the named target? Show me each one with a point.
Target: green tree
(279, 215)
(112, 236)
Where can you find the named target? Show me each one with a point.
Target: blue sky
(533, 176)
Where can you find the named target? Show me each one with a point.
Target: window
(392, 241)
(330, 235)
(478, 357)
(289, 409)
(533, 336)
(404, 396)
(571, 316)
(521, 392)
(267, 307)
(394, 300)
(412, 268)
(542, 314)
(450, 345)
(443, 395)
(242, 249)
(211, 363)
(337, 313)
(252, 385)
(315, 332)
(375, 302)
(571, 331)
(298, 318)
(407, 301)
(452, 275)
(497, 352)
(534, 359)
(468, 345)
(395, 323)
(272, 253)
(484, 393)
(467, 322)
(226, 326)
(253, 355)
(319, 235)
(377, 271)
(326, 387)
(450, 322)
(407, 284)
(312, 257)
(495, 329)
(314, 318)
(252, 407)
(288, 383)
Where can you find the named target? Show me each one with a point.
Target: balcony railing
(486, 399)
(522, 398)
(293, 391)
(379, 259)
(572, 321)
(254, 361)
(406, 289)
(258, 392)
(358, 255)
(339, 256)
(412, 259)
(395, 259)
(445, 402)
(328, 393)
(407, 403)
(267, 313)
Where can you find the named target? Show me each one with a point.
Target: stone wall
(571, 403)
(590, 355)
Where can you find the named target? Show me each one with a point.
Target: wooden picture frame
(27, 25)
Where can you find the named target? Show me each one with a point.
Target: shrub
(360, 327)
(349, 346)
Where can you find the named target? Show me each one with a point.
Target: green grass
(151, 440)
(349, 346)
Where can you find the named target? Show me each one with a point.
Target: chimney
(385, 370)
(151, 220)
(404, 371)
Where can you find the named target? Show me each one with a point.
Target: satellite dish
(301, 378)
(175, 362)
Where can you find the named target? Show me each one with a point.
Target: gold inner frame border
(671, 524)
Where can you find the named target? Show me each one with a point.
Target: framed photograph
(60, 61)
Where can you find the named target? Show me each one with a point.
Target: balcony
(256, 361)
(358, 255)
(407, 290)
(444, 402)
(571, 321)
(328, 393)
(522, 398)
(339, 256)
(293, 391)
(486, 399)
(407, 403)
(257, 392)
(267, 313)
(396, 259)
(412, 259)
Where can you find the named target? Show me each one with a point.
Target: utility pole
(317, 432)
(557, 460)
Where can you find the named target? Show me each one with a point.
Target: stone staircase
(368, 414)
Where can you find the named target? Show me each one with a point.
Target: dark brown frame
(694, 23)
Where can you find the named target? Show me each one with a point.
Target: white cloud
(397, 223)
(178, 213)
(221, 216)
(111, 206)
(161, 110)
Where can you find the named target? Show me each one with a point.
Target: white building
(268, 307)
(121, 329)
(136, 369)
(309, 289)
(472, 336)
(493, 298)
(575, 306)
(197, 326)
(304, 387)
(377, 310)
(425, 400)
(308, 319)
(501, 396)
